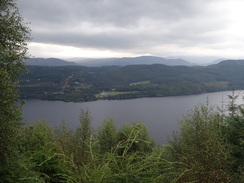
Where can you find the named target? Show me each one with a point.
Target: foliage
(107, 136)
(39, 144)
(75, 143)
(233, 131)
(65, 139)
(201, 146)
(19, 169)
(13, 36)
(82, 138)
(129, 160)
(134, 167)
(134, 138)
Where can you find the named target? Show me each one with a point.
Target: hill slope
(148, 60)
(48, 62)
(77, 83)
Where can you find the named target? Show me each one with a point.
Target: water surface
(160, 115)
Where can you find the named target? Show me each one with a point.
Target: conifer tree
(82, 138)
(201, 146)
(107, 136)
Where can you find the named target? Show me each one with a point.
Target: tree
(82, 138)
(14, 34)
(201, 145)
(107, 136)
(234, 133)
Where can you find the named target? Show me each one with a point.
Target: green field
(140, 83)
(112, 93)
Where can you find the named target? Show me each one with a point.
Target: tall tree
(82, 138)
(14, 35)
(233, 131)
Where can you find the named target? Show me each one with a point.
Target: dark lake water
(160, 115)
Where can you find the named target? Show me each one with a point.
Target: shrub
(38, 143)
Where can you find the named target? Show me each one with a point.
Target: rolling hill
(79, 83)
(148, 60)
(48, 62)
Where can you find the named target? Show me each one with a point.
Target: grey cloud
(127, 24)
(119, 13)
(104, 41)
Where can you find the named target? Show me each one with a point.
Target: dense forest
(207, 148)
(77, 83)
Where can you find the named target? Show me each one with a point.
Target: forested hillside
(77, 83)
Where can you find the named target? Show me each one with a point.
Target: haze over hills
(48, 62)
(92, 62)
(147, 60)
(232, 62)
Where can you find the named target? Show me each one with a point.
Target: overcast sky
(118, 28)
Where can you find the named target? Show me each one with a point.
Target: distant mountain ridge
(147, 60)
(48, 62)
(124, 61)
(232, 62)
